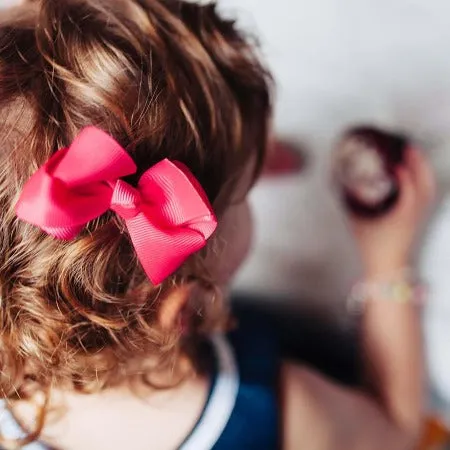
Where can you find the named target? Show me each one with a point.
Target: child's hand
(387, 244)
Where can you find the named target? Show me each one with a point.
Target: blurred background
(337, 63)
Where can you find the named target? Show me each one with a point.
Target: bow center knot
(126, 200)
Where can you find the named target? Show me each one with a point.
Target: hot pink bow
(168, 215)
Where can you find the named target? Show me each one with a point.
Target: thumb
(407, 188)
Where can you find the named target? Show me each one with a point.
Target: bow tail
(162, 251)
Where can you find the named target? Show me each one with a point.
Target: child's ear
(173, 305)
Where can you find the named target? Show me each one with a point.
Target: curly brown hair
(166, 78)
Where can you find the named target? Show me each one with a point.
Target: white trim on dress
(222, 400)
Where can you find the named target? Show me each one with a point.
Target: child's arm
(387, 415)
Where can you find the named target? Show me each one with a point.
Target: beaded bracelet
(400, 289)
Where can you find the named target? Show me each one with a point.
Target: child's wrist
(401, 286)
(388, 269)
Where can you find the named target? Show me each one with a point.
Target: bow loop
(94, 157)
(176, 200)
(73, 187)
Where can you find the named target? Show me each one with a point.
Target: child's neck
(138, 418)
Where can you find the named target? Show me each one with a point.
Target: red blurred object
(283, 159)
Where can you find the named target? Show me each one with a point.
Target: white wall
(337, 62)
(7, 3)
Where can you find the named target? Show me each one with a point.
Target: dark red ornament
(366, 166)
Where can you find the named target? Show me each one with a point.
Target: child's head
(167, 79)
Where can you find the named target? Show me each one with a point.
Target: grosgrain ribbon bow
(168, 215)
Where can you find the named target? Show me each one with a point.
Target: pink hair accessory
(168, 215)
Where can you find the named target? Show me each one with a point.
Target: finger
(422, 174)
(408, 189)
